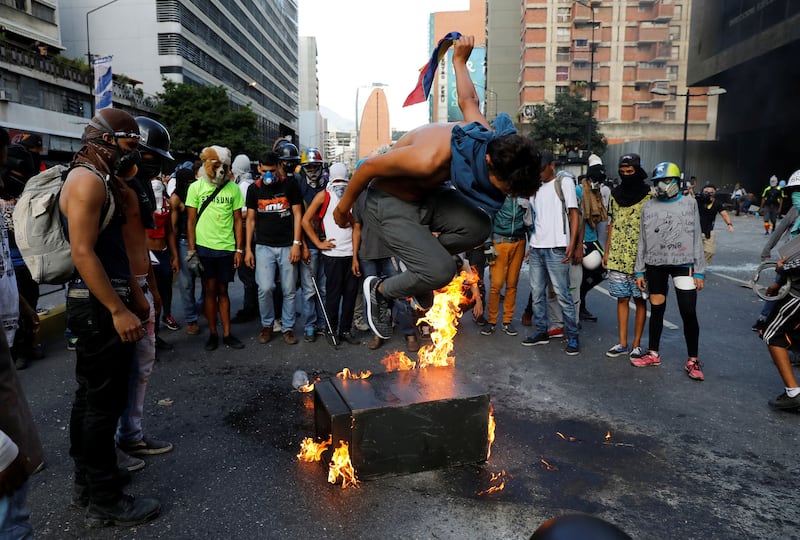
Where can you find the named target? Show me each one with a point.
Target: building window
(45, 13)
(672, 73)
(678, 13)
(564, 14)
(562, 73)
(562, 34)
(675, 54)
(562, 90)
(581, 43)
(562, 54)
(674, 33)
(669, 113)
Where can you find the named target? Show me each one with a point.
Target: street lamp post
(89, 53)
(688, 95)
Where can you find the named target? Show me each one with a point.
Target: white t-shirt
(548, 220)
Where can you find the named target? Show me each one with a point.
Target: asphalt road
(685, 459)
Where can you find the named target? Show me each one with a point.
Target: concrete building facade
(625, 49)
(312, 124)
(227, 42)
(751, 48)
(374, 131)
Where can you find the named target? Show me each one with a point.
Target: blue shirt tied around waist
(468, 171)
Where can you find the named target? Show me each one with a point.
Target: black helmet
(155, 137)
(288, 152)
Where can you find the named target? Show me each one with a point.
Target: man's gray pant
(425, 235)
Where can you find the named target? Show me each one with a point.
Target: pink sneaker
(693, 369)
(649, 359)
(556, 332)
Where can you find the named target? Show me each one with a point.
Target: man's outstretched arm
(468, 100)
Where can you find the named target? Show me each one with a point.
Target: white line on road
(603, 290)
(737, 280)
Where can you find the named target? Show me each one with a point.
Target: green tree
(199, 116)
(563, 124)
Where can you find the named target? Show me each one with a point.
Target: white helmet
(592, 260)
(794, 180)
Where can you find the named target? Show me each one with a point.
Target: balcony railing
(57, 66)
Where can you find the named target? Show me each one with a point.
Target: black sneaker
(538, 339)
(509, 329)
(378, 312)
(480, 321)
(785, 403)
(162, 345)
(147, 447)
(572, 347)
(759, 325)
(232, 342)
(126, 512)
(212, 342)
(586, 315)
(347, 337)
(487, 330)
(423, 301)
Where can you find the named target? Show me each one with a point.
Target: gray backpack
(37, 225)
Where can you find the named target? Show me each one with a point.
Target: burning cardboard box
(405, 421)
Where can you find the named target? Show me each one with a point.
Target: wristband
(239, 251)
(297, 242)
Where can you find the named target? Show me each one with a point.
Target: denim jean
(186, 284)
(129, 429)
(546, 262)
(15, 517)
(312, 309)
(401, 310)
(267, 259)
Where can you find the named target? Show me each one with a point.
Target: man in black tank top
(105, 308)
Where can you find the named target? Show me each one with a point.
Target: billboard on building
(477, 72)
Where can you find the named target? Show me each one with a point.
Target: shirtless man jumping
(434, 192)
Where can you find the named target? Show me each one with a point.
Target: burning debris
(340, 466)
(547, 465)
(408, 419)
(499, 483)
(347, 374)
(492, 425)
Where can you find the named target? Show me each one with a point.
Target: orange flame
(347, 374)
(547, 465)
(398, 361)
(312, 451)
(492, 425)
(341, 467)
(443, 319)
(306, 388)
(608, 436)
(501, 476)
(570, 438)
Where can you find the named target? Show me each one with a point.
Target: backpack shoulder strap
(109, 206)
(560, 192)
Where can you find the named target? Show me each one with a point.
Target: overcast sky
(364, 41)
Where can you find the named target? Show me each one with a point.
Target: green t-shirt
(214, 228)
(625, 235)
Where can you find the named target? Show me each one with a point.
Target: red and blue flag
(428, 71)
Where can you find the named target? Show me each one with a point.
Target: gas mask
(667, 189)
(127, 162)
(704, 198)
(313, 174)
(267, 178)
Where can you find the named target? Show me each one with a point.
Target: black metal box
(405, 421)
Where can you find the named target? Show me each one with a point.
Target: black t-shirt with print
(273, 205)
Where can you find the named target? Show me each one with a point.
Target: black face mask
(149, 168)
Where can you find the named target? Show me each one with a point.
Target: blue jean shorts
(621, 285)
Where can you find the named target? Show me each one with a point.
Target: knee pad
(684, 283)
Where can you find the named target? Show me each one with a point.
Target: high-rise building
(374, 132)
(249, 47)
(615, 51)
(751, 48)
(312, 124)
